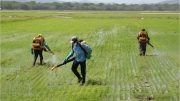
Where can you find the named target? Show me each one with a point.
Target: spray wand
(61, 64)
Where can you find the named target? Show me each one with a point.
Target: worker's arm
(67, 61)
(69, 55)
(32, 51)
(46, 45)
(138, 36)
(148, 36)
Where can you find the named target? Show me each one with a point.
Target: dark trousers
(142, 48)
(83, 70)
(36, 53)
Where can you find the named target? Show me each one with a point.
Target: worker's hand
(45, 49)
(64, 62)
(32, 51)
(53, 67)
(52, 52)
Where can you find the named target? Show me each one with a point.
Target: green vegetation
(115, 72)
(32, 5)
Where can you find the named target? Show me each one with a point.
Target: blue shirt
(77, 52)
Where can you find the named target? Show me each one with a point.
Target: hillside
(170, 2)
(98, 1)
(33, 0)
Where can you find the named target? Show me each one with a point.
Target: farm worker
(143, 39)
(88, 54)
(39, 45)
(78, 51)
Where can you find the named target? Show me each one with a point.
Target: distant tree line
(13, 5)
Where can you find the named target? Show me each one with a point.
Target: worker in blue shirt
(78, 52)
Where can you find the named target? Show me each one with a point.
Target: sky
(116, 1)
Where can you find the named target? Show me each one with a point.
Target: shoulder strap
(83, 49)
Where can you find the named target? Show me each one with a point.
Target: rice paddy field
(115, 72)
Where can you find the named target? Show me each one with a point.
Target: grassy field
(115, 72)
